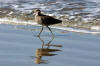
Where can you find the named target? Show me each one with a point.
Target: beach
(19, 47)
(76, 40)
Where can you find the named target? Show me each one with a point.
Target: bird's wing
(48, 20)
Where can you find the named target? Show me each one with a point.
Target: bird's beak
(31, 13)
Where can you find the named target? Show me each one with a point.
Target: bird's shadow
(47, 49)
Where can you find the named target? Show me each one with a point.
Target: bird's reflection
(48, 51)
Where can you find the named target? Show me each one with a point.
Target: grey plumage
(45, 20)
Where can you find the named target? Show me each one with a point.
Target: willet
(44, 20)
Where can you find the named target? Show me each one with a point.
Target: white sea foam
(96, 28)
(77, 30)
(18, 22)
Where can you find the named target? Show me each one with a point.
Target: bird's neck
(38, 14)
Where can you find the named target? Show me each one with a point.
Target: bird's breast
(38, 19)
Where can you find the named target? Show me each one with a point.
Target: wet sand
(20, 47)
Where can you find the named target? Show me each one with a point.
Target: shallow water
(18, 45)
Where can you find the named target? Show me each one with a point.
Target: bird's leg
(50, 31)
(52, 35)
(40, 32)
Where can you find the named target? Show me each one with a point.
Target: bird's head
(36, 12)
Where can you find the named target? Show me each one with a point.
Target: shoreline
(58, 26)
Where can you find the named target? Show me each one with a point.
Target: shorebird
(44, 20)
